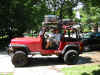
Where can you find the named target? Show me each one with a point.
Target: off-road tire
(71, 57)
(19, 59)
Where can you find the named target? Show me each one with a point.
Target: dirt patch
(90, 57)
(86, 58)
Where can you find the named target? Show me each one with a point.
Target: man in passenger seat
(53, 39)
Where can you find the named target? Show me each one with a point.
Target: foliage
(82, 70)
(63, 8)
(21, 15)
(28, 14)
(24, 15)
(91, 11)
(68, 8)
(4, 13)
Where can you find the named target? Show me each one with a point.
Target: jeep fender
(19, 47)
(70, 47)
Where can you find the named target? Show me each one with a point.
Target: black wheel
(19, 59)
(71, 57)
(86, 48)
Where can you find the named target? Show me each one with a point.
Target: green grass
(82, 70)
(9, 73)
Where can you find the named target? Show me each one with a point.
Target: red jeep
(69, 48)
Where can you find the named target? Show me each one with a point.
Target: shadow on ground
(44, 61)
(85, 60)
(54, 61)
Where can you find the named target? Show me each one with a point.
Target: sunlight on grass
(6, 73)
(2, 37)
(82, 70)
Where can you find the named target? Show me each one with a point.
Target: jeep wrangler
(69, 47)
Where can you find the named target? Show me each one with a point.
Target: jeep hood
(25, 40)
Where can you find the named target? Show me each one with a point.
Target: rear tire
(19, 59)
(71, 57)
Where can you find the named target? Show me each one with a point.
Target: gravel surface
(45, 65)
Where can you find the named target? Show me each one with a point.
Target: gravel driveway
(45, 65)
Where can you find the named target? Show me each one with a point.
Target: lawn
(82, 70)
(9, 73)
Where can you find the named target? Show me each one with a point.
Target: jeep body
(35, 44)
(69, 48)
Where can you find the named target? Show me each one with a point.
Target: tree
(62, 8)
(4, 12)
(21, 15)
(91, 12)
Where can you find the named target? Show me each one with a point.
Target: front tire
(71, 57)
(19, 59)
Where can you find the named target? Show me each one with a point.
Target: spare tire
(19, 59)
